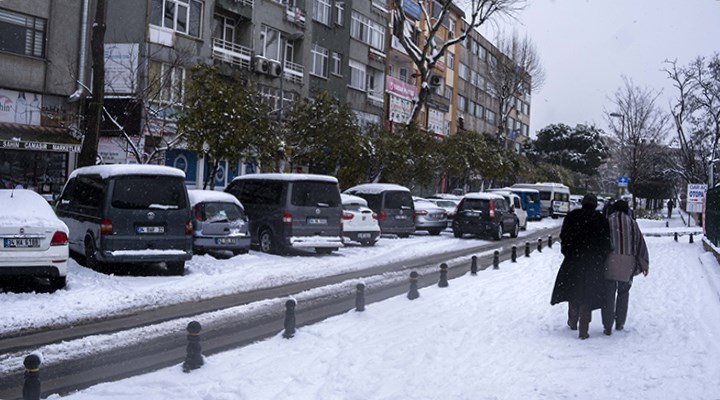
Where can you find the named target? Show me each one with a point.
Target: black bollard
(527, 249)
(513, 254)
(473, 266)
(31, 386)
(496, 260)
(549, 241)
(193, 357)
(676, 237)
(691, 238)
(360, 297)
(443, 275)
(413, 293)
(289, 319)
(539, 248)
(667, 224)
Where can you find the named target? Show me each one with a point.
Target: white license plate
(317, 221)
(21, 243)
(150, 229)
(364, 236)
(225, 241)
(401, 217)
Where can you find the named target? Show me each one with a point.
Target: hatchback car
(34, 242)
(429, 216)
(219, 223)
(448, 205)
(359, 223)
(485, 214)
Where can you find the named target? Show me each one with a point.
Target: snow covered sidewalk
(491, 336)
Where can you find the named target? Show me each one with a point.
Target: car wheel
(498, 232)
(91, 260)
(403, 235)
(176, 268)
(434, 232)
(57, 283)
(457, 234)
(367, 243)
(524, 227)
(238, 252)
(515, 231)
(267, 245)
(324, 250)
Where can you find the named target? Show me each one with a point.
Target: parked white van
(554, 197)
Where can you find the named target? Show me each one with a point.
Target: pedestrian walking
(585, 243)
(629, 257)
(670, 205)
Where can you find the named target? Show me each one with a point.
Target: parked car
(554, 197)
(128, 214)
(219, 222)
(515, 205)
(393, 205)
(291, 211)
(485, 214)
(429, 216)
(34, 240)
(575, 201)
(359, 223)
(447, 204)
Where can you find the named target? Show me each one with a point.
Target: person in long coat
(629, 257)
(585, 243)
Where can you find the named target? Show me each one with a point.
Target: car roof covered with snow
(110, 170)
(348, 199)
(482, 196)
(25, 207)
(374, 188)
(288, 177)
(204, 196)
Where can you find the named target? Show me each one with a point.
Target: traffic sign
(623, 181)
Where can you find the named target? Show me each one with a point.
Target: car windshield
(149, 192)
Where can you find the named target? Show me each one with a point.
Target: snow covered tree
(580, 149)
(425, 47)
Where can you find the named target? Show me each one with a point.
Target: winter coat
(630, 254)
(585, 243)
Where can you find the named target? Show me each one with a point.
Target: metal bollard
(667, 224)
(443, 275)
(413, 293)
(539, 247)
(513, 254)
(676, 237)
(289, 319)
(691, 238)
(473, 265)
(360, 297)
(193, 357)
(496, 260)
(549, 241)
(527, 249)
(31, 385)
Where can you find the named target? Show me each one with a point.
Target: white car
(359, 223)
(33, 241)
(514, 201)
(448, 204)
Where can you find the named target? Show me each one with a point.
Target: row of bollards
(692, 239)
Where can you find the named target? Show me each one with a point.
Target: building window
(375, 87)
(166, 83)
(336, 64)
(367, 31)
(22, 34)
(340, 13)
(182, 16)
(357, 75)
(319, 66)
(490, 116)
(322, 11)
(462, 103)
(448, 92)
(270, 43)
(451, 29)
(225, 28)
(464, 71)
(451, 60)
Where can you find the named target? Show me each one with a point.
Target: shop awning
(39, 138)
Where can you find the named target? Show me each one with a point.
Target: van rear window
(475, 204)
(395, 200)
(315, 194)
(149, 192)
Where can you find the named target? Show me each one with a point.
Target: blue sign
(412, 9)
(623, 181)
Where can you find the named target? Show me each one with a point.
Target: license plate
(317, 221)
(225, 241)
(401, 217)
(150, 229)
(364, 236)
(21, 243)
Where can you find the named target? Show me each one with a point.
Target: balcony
(232, 53)
(295, 15)
(293, 72)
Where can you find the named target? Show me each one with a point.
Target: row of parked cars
(141, 214)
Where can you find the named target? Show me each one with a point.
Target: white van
(554, 197)
(515, 203)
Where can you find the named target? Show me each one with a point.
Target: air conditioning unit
(275, 68)
(435, 80)
(261, 65)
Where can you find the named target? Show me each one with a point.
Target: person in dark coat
(670, 205)
(629, 257)
(585, 243)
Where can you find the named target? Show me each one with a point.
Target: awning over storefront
(39, 138)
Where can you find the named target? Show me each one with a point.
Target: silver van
(128, 214)
(392, 203)
(286, 211)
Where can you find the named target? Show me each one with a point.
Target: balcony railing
(248, 3)
(295, 15)
(293, 72)
(232, 53)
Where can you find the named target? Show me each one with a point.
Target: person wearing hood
(629, 257)
(585, 242)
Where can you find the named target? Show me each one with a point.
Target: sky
(492, 336)
(586, 46)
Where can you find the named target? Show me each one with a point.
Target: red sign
(399, 88)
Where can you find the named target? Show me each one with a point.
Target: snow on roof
(445, 196)
(522, 190)
(348, 199)
(288, 177)
(201, 196)
(375, 188)
(482, 196)
(110, 170)
(25, 207)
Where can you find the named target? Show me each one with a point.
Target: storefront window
(41, 171)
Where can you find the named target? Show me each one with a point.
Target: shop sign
(396, 87)
(20, 107)
(400, 110)
(39, 146)
(436, 121)
(121, 65)
(112, 150)
(695, 196)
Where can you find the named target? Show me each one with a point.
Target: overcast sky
(586, 46)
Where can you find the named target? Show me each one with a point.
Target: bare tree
(425, 48)
(517, 72)
(639, 124)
